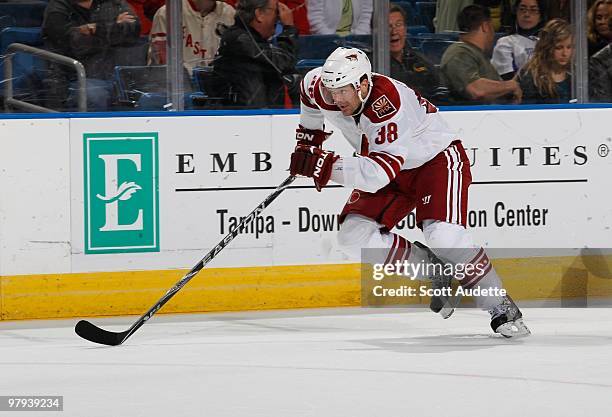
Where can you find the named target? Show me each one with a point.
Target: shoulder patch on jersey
(383, 107)
(307, 92)
(384, 101)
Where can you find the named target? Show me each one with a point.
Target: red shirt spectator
(145, 10)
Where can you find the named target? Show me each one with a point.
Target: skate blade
(444, 307)
(513, 329)
(446, 312)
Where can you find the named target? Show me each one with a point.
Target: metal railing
(580, 81)
(380, 38)
(11, 102)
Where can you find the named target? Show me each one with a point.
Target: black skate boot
(507, 319)
(443, 305)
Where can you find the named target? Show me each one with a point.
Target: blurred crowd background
(120, 55)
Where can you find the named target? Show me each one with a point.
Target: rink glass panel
(136, 87)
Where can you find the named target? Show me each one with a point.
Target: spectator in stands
(600, 73)
(341, 17)
(599, 34)
(300, 14)
(513, 51)
(448, 10)
(254, 68)
(558, 8)
(145, 10)
(410, 66)
(546, 78)
(93, 32)
(466, 69)
(200, 38)
(501, 13)
(299, 9)
(446, 14)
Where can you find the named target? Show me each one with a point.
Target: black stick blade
(95, 334)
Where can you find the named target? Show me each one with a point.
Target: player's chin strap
(363, 99)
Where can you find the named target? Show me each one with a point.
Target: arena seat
(426, 12)
(434, 49)
(363, 42)
(7, 21)
(305, 65)
(142, 87)
(212, 92)
(365, 39)
(419, 38)
(28, 35)
(28, 70)
(317, 46)
(24, 13)
(415, 30)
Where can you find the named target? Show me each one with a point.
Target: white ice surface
(329, 362)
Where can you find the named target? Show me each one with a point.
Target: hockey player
(406, 157)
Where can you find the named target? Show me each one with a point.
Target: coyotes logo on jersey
(383, 107)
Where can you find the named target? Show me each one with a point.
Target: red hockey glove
(313, 162)
(311, 137)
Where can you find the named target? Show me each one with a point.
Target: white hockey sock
(482, 275)
(452, 243)
(414, 261)
(358, 232)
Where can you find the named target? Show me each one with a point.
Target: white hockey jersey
(397, 130)
(512, 52)
(200, 39)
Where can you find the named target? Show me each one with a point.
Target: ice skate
(507, 319)
(445, 306)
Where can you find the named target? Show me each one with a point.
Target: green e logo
(121, 192)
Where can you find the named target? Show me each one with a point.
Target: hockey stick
(96, 334)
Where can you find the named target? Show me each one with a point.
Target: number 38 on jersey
(387, 133)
